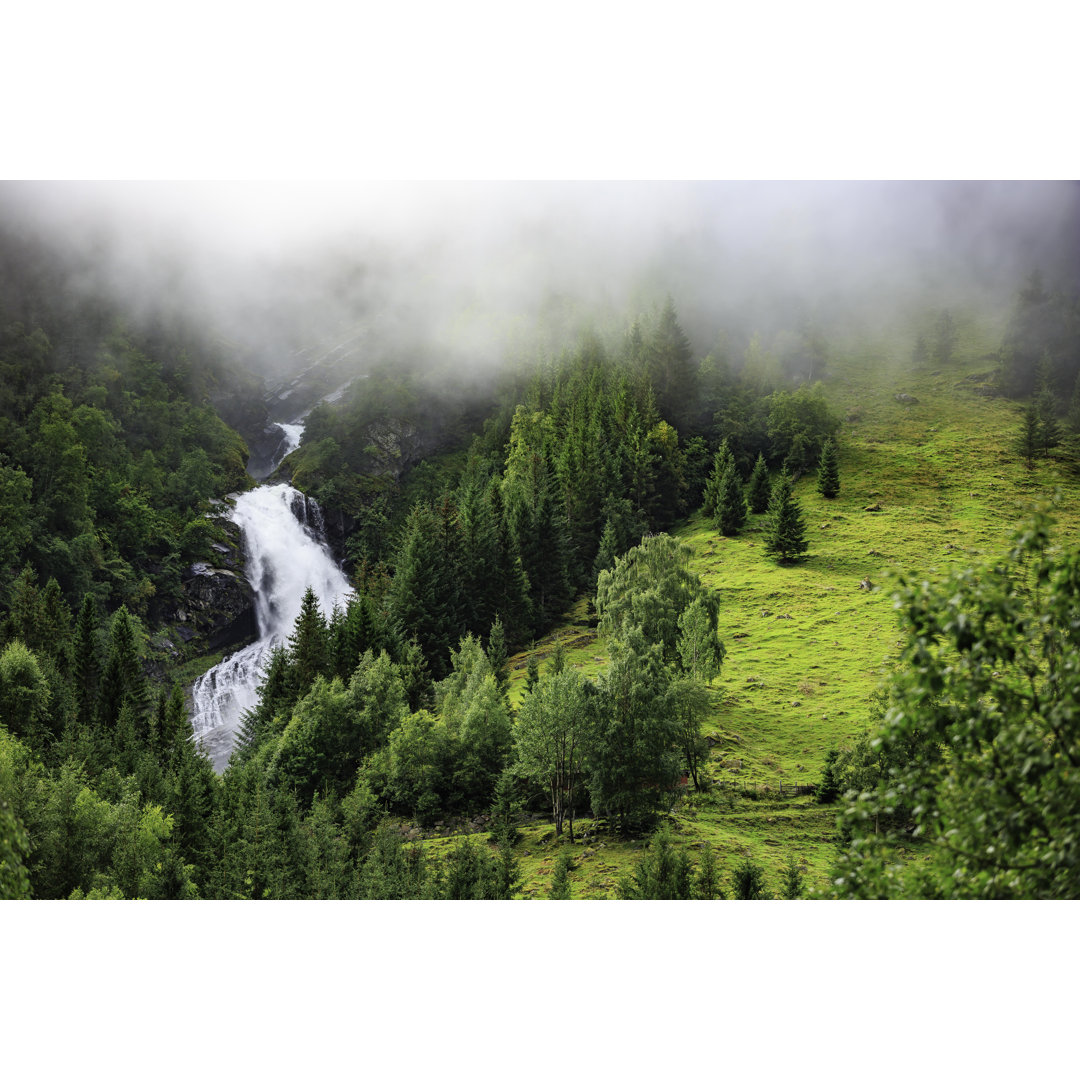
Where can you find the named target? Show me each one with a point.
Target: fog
(467, 273)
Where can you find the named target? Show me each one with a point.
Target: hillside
(807, 648)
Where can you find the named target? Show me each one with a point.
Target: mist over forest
(467, 274)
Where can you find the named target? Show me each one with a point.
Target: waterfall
(286, 554)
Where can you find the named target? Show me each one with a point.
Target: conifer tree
(309, 645)
(759, 488)
(723, 459)
(748, 881)
(707, 886)
(532, 671)
(731, 508)
(86, 657)
(505, 810)
(123, 678)
(1027, 442)
(560, 876)
(794, 889)
(496, 654)
(1049, 430)
(670, 366)
(785, 529)
(828, 483)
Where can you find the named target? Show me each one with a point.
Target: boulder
(218, 605)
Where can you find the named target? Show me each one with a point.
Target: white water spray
(286, 554)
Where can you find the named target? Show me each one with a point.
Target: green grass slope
(807, 647)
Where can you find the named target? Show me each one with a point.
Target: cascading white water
(286, 554)
(290, 440)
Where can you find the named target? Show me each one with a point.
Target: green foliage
(649, 589)
(793, 885)
(1028, 441)
(707, 885)
(989, 671)
(560, 876)
(828, 789)
(701, 652)
(748, 881)
(14, 852)
(24, 692)
(554, 737)
(690, 704)
(759, 489)
(828, 482)
(731, 503)
(663, 873)
(635, 765)
(798, 424)
(785, 530)
(506, 810)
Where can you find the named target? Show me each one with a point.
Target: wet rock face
(218, 605)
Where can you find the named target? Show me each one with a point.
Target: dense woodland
(563, 480)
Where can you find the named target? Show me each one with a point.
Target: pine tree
(723, 459)
(532, 671)
(793, 880)
(505, 810)
(123, 679)
(670, 365)
(828, 791)
(86, 657)
(309, 645)
(785, 529)
(707, 886)
(1049, 430)
(560, 877)
(731, 508)
(496, 654)
(828, 483)
(748, 881)
(759, 488)
(1027, 442)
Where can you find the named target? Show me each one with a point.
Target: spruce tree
(505, 810)
(748, 881)
(532, 671)
(309, 645)
(722, 460)
(1049, 430)
(86, 656)
(785, 529)
(1027, 442)
(793, 880)
(496, 654)
(560, 877)
(731, 509)
(123, 679)
(707, 886)
(828, 482)
(759, 488)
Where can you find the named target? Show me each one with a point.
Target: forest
(542, 682)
